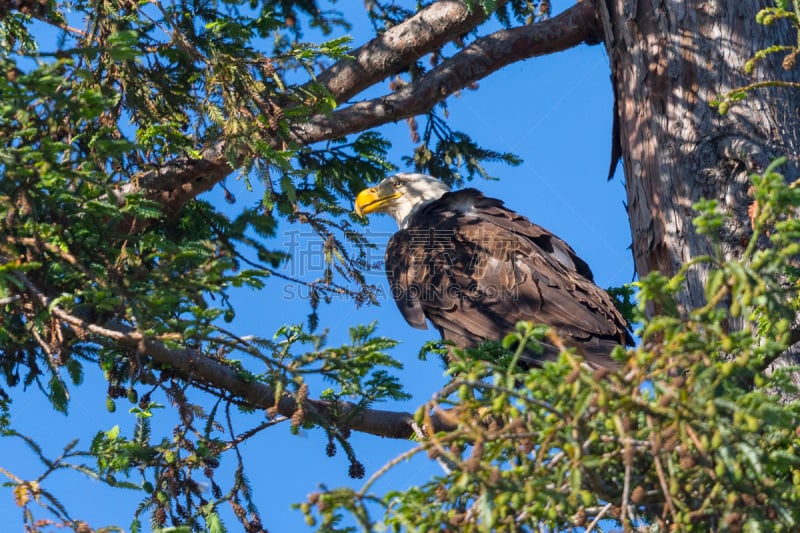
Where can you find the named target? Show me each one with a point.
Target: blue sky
(554, 112)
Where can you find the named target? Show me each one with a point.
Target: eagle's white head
(400, 196)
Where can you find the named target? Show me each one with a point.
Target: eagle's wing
(475, 268)
(402, 267)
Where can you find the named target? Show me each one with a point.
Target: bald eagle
(474, 268)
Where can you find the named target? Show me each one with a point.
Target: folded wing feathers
(475, 268)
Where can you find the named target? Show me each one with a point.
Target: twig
(51, 360)
(63, 254)
(437, 443)
(441, 460)
(240, 438)
(696, 440)
(62, 26)
(660, 471)
(374, 477)
(516, 394)
(597, 518)
(626, 486)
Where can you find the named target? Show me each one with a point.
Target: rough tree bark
(669, 60)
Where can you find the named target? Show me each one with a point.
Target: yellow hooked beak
(370, 200)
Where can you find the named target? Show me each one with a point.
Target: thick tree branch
(180, 180)
(200, 369)
(398, 47)
(476, 61)
(183, 179)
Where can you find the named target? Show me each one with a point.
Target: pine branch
(473, 63)
(202, 370)
(179, 181)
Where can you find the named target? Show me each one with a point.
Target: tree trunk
(669, 60)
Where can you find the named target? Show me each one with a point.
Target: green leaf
(59, 397)
(214, 523)
(75, 370)
(123, 45)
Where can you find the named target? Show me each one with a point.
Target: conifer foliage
(116, 116)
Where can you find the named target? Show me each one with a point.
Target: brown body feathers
(475, 268)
